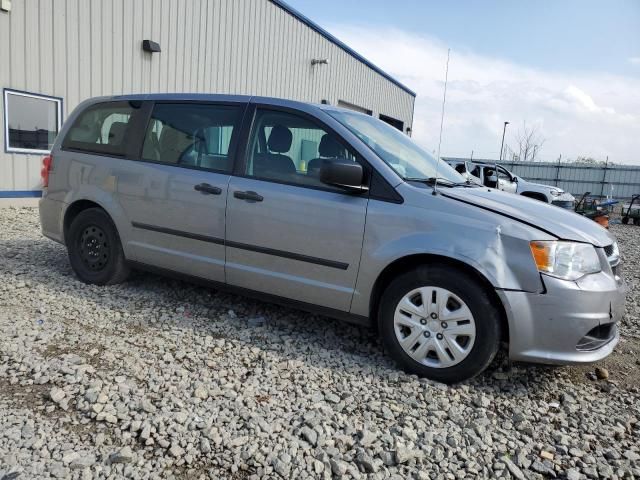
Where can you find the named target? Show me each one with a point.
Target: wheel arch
(404, 264)
(74, 209)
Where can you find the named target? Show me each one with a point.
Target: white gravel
(162, 379)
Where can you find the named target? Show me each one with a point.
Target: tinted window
(289, 148)
(193, 135)
(32, 121)
(102, 128)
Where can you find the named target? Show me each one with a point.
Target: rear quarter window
(102, 128)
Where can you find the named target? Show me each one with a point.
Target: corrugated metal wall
(76, 49)
(618, 181)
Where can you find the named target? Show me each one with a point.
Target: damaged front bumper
(571, 322)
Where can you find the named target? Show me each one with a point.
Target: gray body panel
(328, 249)
(320, 225)
(159, 198)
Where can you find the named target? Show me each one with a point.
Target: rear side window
(192, 135)
(102, 128)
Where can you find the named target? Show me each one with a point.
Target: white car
(484, 174)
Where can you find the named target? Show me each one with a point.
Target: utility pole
(604, 177)
(504, 129)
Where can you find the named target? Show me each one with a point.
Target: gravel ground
(162, 379)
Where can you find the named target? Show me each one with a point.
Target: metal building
(56, 53)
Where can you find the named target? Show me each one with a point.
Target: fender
(393, 233)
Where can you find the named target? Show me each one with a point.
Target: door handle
(248, 196)
(206, 189)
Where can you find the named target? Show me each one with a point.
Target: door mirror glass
(342, 173)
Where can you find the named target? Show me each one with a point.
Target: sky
(568, 69)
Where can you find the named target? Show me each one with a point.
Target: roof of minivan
(224, 97)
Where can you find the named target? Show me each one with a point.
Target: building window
(31, 121)
(394, 122)
(354, 107)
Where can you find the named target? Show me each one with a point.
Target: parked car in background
(335, 212)
(485, 174)
(464, 168)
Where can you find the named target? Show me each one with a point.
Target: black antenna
(444, 99)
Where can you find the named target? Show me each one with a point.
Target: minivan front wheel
(438, 322)
(94, 249)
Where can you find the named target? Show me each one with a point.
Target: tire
(460, 290)
(625, 220)
(94, 249)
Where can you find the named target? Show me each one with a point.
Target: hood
(522, 180)
(564, 224)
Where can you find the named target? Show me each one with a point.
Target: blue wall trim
(343, 46)
(20, 193)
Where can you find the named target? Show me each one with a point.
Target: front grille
(608, 250)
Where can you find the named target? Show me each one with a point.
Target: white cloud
(634, 60)
(593, 114)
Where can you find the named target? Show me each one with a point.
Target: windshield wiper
(445, 182)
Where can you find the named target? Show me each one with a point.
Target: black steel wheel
(94, 248)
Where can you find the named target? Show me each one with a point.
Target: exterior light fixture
(150, 46)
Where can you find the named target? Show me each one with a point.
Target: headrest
(169, 138)
(280, 139)
(329, 147)
(116, 133)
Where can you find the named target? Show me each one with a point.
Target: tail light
(47, 165)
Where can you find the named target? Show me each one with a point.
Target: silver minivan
(335, 212)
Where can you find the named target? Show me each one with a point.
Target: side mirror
(515, 179)
(342, 173)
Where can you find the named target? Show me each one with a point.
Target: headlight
(556, 193)
(566, 260)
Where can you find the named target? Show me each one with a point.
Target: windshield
(395, 148)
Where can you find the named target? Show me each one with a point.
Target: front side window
(291, 149)
(396, 149)
(504, 175)
(102, 128)
(31, 121)
(191, 135)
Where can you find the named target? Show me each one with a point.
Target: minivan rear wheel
(439, 322)
(94, 249)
